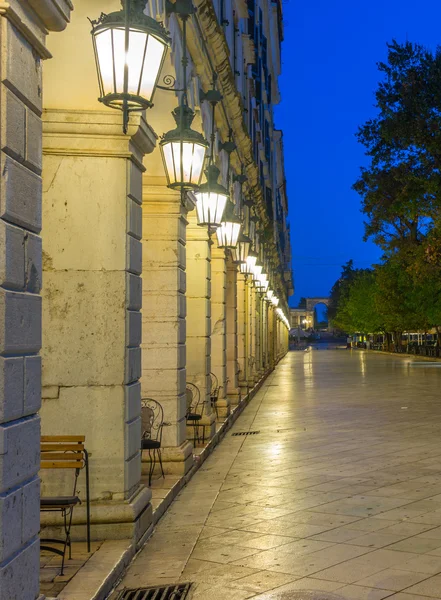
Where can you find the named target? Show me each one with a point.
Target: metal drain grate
(246, 433)
(177, 591)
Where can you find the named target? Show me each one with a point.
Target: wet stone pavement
(338, 494)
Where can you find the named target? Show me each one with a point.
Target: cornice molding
(96, 133)
(54, 14)
(232, 101)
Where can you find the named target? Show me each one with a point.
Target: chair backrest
(152, 419)
(63, 452)
(214, 385)
(193, 398)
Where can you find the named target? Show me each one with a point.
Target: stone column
(271, 337)
(219, 324)
(163, 318)
(257, 335)
(242, 334)
(23, 32)
(265, 365)
(199, 318)
(92, 196)
(251, 337)
(233, 390)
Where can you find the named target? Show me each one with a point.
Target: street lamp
(211, 199)
(248, 266)
(229, 229)
(257, 270)
(240, 252)
(183, 151)
(129, 50)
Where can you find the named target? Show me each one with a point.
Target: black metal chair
(152, 417)
(195, 410)
(64, 452)
(214, 393)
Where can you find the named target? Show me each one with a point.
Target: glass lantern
(130, 48)
(211, 199)
(240, 252)
(183, 151)
(228, 231)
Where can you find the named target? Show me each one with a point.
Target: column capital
(195, 231)
(96, 133)
(35, 18)
(163, 199)
(55, 14)
(217, 252)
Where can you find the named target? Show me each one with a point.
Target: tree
(357, 311)
(401, 188)
(302, 303)
(340, 289)
(401, 301)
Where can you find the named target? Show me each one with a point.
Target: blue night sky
(329, 76)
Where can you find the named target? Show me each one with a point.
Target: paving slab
(337, 497)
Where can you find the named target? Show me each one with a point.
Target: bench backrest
(62, 452)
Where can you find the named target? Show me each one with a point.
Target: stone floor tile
(430, 587)
(303, 546)
(220, 553)
(392, 579)
(302, 564)
(377, 539)
(216, 574)
(364, 506)
(311, 584)
(262, 581)
(355, 592)
(214, 592)
(433, 533)
(264, 542)
(208, 532)
(356, 569)
(431, 518)
(319, 518)
(406, 596)
(423, 563)
(296, 530)
(306, 583)
(417, 544)
(407, 529)
(371, 524)
(337, 535)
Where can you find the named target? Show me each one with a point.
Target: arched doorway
(321, 322)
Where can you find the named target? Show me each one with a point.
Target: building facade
(111, 289)
(301, 318)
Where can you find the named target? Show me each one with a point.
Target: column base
(244, 388)
(223, 407)
(124, 519)
(208, 422)
(235, 396)
(176, 460)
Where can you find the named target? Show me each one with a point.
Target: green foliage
(357, 311)
(302, 303)
(401, 189)
(340, 290)
(401, 199)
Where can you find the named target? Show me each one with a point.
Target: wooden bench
(64, 452)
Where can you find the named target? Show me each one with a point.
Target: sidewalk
(339, 490)
(92, 576)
